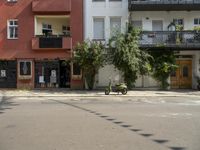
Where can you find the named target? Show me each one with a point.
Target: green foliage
(196, 28)
(127, 57)
(89, 56)
(163, 65)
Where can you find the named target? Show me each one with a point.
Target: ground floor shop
(31, 73)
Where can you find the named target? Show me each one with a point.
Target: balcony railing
(51, 42)
(165, 5)
(183, 40)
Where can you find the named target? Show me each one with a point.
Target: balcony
(51, 43)
(183, 40)
(164, 5)
(51, 6)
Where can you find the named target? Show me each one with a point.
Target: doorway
(65, 74)
(182, 77)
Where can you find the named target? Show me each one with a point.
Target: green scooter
(117, 88)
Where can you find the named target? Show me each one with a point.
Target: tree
(89, 56)
(163, 65)
(127, 57)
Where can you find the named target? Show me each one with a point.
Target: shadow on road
(124, 125)
(6, 104)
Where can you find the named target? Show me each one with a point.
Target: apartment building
(159, 20)
(36, 37)
(101, 19)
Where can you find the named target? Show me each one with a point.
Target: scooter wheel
(107, 92)
(124, 91)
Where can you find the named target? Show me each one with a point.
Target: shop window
(25, 69)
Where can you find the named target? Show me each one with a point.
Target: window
(137, 24)
(46, 29)
(11, 0)
(25, 69)
(12, 29)
(98, 28)
(98, 0)
(178, 21)
(115, 25)
(196, 21)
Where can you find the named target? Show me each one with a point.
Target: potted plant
(179, 36)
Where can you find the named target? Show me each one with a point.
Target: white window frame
(198, 21)
(11, 0)
(104, 25)
(8, 30)
(120, 29)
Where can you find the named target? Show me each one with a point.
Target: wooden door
(182, 77)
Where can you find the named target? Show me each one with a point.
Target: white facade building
(155, 18)
(101, 19)
(101, 16)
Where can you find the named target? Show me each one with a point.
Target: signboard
(3, 73)
(41, 79)
(53, 79)
(53, 73)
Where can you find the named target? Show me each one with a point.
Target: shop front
(52, 74)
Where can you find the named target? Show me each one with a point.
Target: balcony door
(182, 77)
(157, 25)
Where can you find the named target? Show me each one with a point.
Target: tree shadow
(7, 104)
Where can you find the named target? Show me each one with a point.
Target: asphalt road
(113, 123)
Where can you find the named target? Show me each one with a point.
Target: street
(99, 123)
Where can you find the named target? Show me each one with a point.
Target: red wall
(21, 48)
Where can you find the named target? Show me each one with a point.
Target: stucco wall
(57, 24)
(104, 10)
(167, 17)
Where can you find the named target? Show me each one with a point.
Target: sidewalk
(98, 93)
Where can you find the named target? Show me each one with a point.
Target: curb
(103, 96)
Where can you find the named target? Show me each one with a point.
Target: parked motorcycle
(121, 87)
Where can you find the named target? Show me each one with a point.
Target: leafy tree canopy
(127, 57)
(89, 55)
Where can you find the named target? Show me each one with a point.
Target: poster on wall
(41, 79)
(53, 73)
(52, 79)
(3, 73)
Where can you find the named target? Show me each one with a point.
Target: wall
(104, 10)
(21, 48)
(57, 24)
(166, 16)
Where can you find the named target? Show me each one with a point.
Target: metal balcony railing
(164, 1)
(170, 39)
(166, 5)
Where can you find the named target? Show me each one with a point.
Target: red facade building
(36, 37)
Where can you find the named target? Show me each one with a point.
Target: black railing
(50, 42)
(163, 5)
(164, 1)
(170, 39)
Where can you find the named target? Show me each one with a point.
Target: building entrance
(182, 77)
